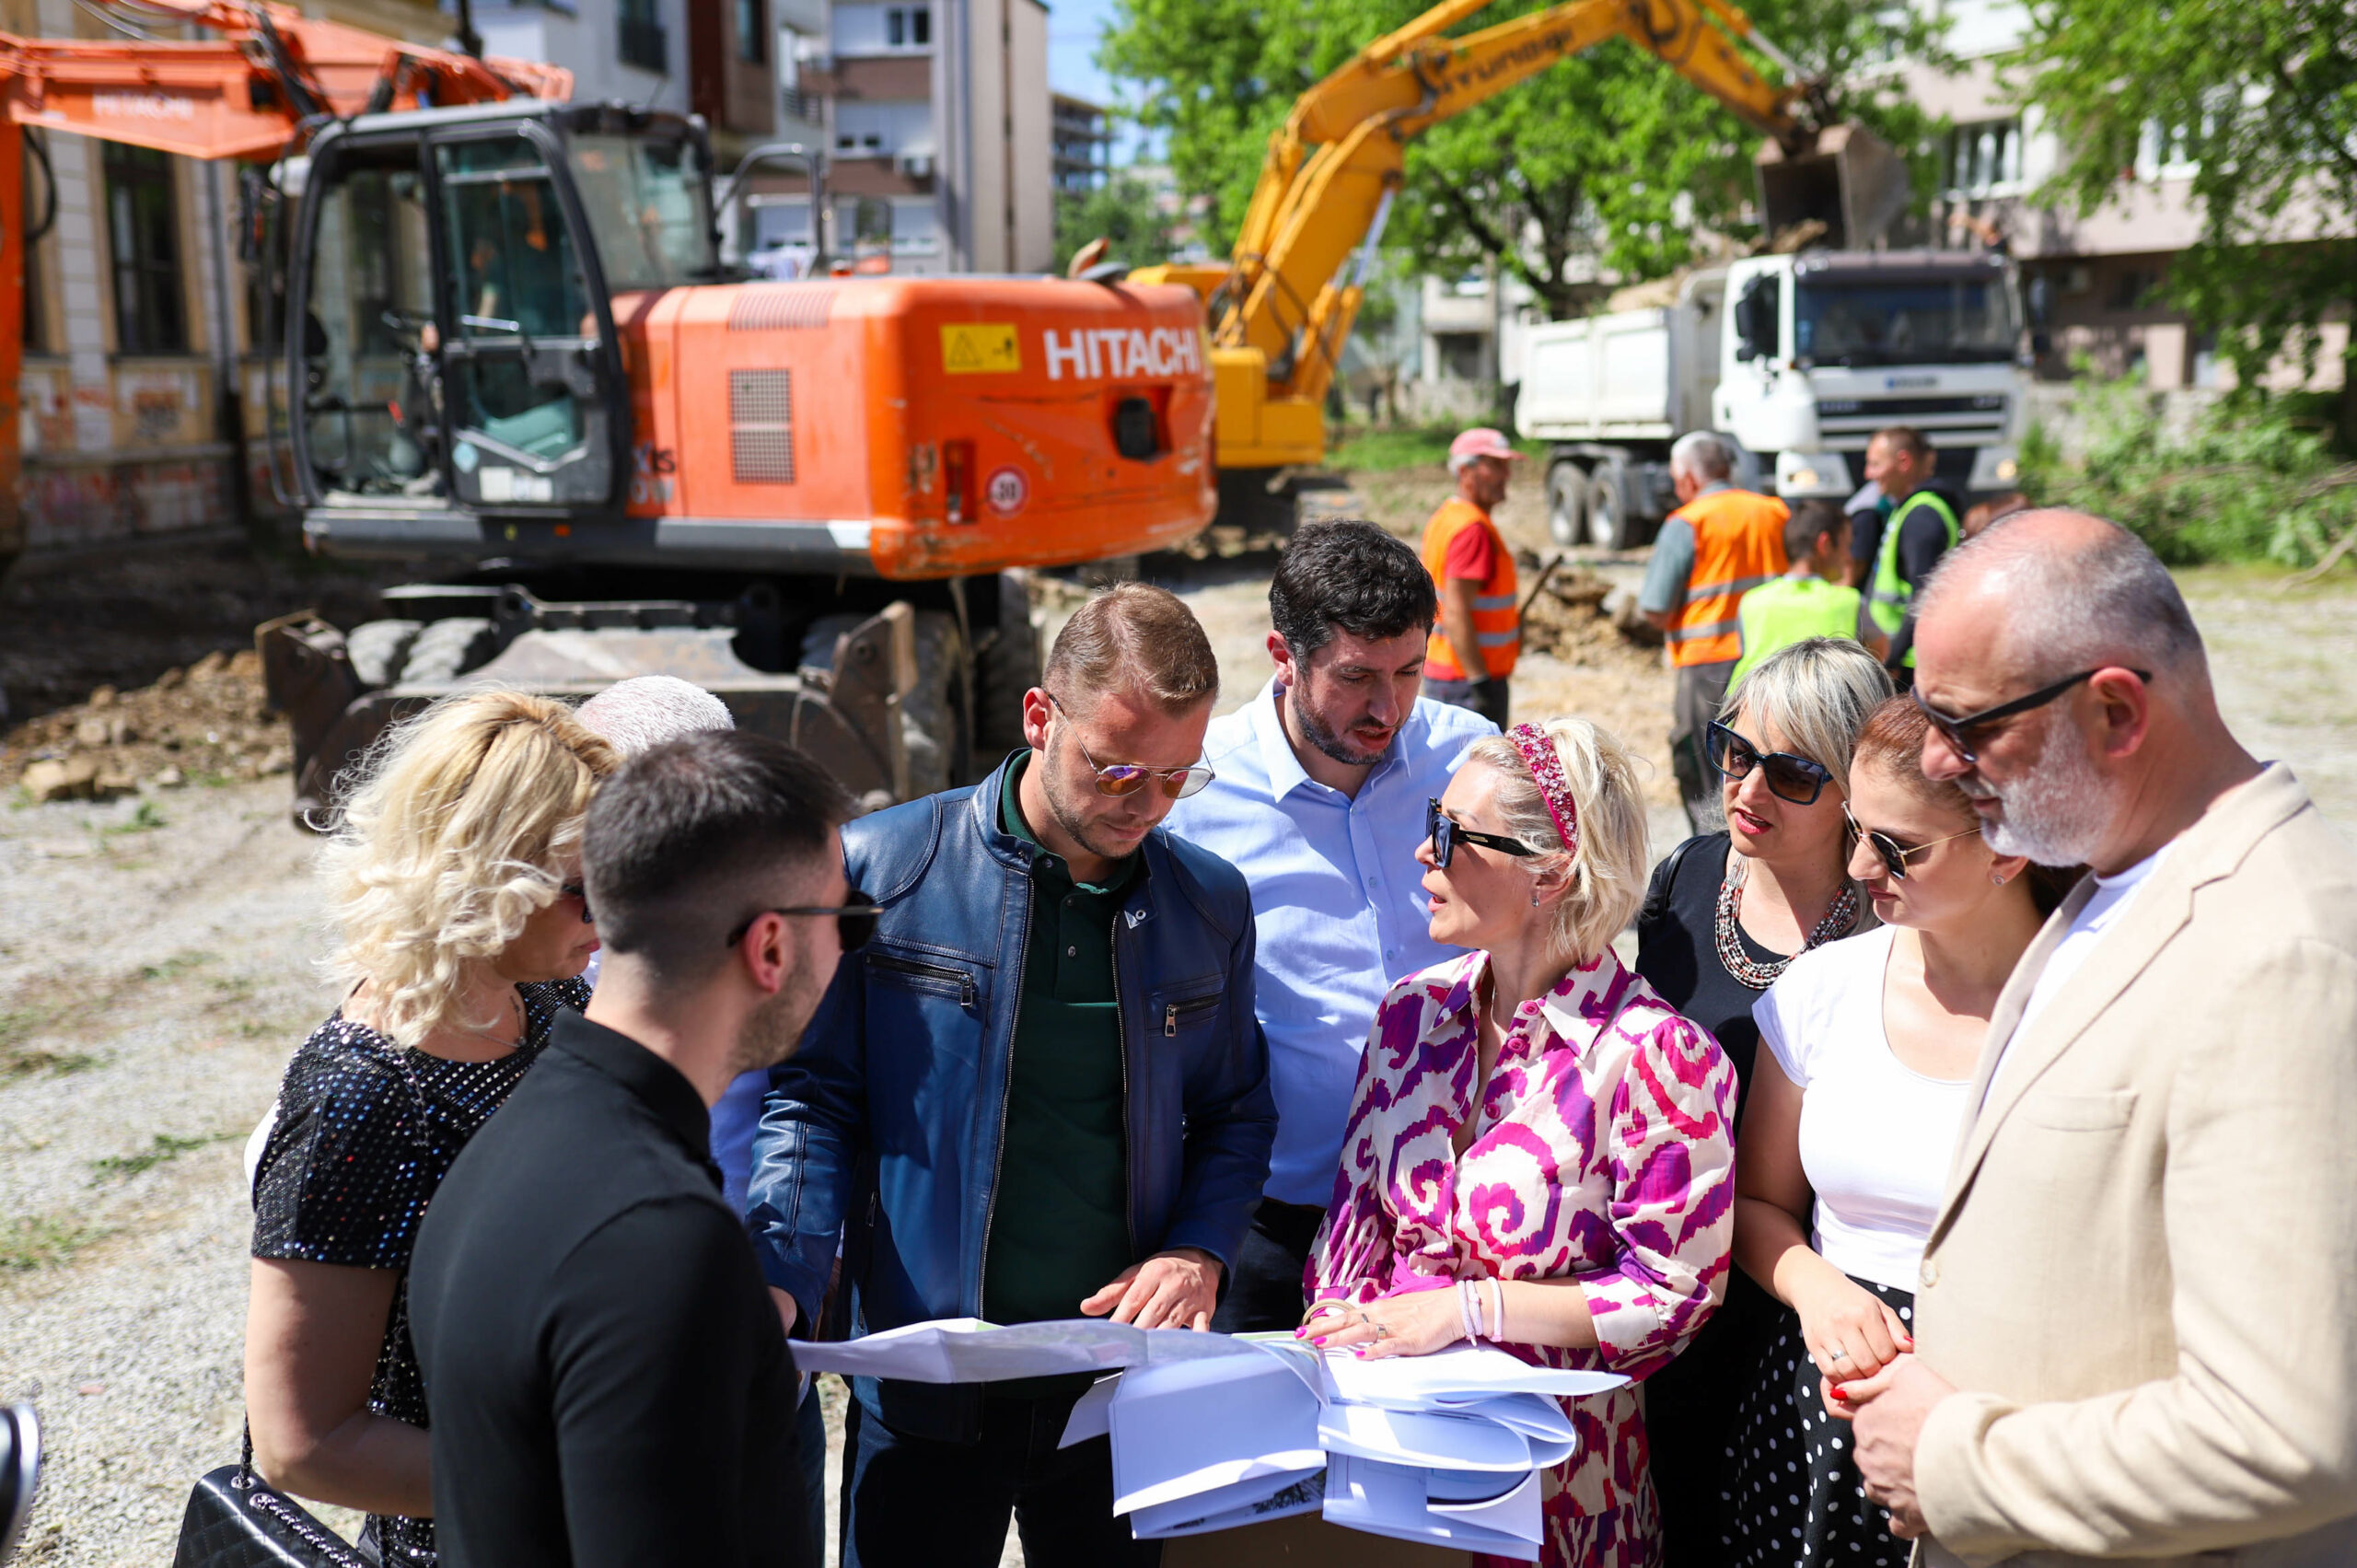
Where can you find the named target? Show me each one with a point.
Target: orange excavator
(511, 350)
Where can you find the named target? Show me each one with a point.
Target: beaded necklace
(1840, 919)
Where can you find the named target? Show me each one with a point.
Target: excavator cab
(456, 361)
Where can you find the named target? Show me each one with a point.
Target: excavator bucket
(1851, 181)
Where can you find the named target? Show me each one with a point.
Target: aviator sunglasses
(1895, 856)
(854, 921)
(1797, 779)
(1446, 833)
(1120, 779)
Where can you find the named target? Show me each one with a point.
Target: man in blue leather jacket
(1039, 1092)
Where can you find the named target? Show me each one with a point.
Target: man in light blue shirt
(1318, 798)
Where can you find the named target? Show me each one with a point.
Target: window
(648, 200)
(753, 32)
(642, 41)
(143, 221)
(908, 26)
(1984, 156)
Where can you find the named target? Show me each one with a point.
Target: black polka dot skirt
(1795, 1500)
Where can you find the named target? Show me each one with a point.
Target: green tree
(2263, 93)
(1588, 160)
(1125, 211)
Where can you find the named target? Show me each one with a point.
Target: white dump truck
(1799, 359)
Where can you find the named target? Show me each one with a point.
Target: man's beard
(1070, 817)
(2055, 813)
(1314, 730)
(774, 1028)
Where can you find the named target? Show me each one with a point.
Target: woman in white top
(1855, 1107)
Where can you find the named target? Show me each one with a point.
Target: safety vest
(1888, 594)
(1778, 614)
(1738, 545)
(1497, 623)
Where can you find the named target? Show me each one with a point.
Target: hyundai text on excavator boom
(512, 351)
(1281, 309)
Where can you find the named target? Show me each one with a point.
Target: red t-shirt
(1472, 554)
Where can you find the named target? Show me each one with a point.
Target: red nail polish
(1838, 1397)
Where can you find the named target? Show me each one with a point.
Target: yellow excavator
(1280, 311)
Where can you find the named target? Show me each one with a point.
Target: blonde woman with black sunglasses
(1726, 913)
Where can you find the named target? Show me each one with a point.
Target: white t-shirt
(2101, 913)
(1876, 1134)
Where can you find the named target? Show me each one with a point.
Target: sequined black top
(367, 1131)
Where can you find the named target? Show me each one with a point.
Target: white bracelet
(1468, 1312)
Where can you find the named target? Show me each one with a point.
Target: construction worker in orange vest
(1474, 572)
(1719, 543)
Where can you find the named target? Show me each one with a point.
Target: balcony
(645, 45)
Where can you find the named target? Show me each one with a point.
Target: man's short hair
(1908, 439)
(643, 712)
(1350, 576)
(1139, 637)
(2109, 602)
(692, 837)
(1703, 455)
(1809, 519)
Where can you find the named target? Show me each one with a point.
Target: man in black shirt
(607, 1375)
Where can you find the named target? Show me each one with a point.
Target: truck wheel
(1008, 666)
(379, 649)
(1609, 526)
(447, 649)
(1567, 503)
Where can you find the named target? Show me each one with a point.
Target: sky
(1074, 27)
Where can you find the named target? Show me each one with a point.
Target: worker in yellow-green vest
(1810, 601)
(1921, 528)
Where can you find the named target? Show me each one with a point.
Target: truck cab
(1823, 349)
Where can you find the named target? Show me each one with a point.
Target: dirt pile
(1583, 619)
(205, 723)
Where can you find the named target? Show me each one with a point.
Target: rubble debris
(1581, 619)
(206, 723)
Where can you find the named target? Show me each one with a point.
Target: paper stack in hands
(1212, 1431)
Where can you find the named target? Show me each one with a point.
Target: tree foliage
(1609, 158)
(2262, 94)
(1125, 211)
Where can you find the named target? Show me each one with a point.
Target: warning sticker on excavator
(975, 347)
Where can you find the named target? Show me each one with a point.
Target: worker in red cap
(1472, 653)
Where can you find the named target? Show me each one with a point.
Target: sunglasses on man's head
(854, 919)
(1895, 856)
(1797, 779)
(1446, 833)
(1121, 779)
(1957, 732)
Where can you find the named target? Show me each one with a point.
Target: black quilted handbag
(236, 1521)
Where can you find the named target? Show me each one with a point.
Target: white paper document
(967, 1350)
(1190, 1428)
(1392, 1500)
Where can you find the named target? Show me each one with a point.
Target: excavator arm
(1282, 308)
(256, 87)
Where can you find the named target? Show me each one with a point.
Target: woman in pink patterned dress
(1532, 1113)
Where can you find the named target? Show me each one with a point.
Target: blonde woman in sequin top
(453, 883)
(1533, 1114)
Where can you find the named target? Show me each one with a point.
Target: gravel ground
(155, 974)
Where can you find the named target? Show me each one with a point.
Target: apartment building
(136, 320)
(934, 117)
(1081, 142)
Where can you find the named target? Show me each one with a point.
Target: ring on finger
(1838, 1353)
(1382, 1331)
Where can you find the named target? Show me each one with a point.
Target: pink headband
(1538, 754)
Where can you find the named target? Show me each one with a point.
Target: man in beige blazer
(2136, 1325)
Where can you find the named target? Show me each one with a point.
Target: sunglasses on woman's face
(1797, 779)
(1446, 834)
(1120, 779)
(576, 890)
(1895, 856)
(855, 919)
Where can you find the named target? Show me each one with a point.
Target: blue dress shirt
(1337, 902)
